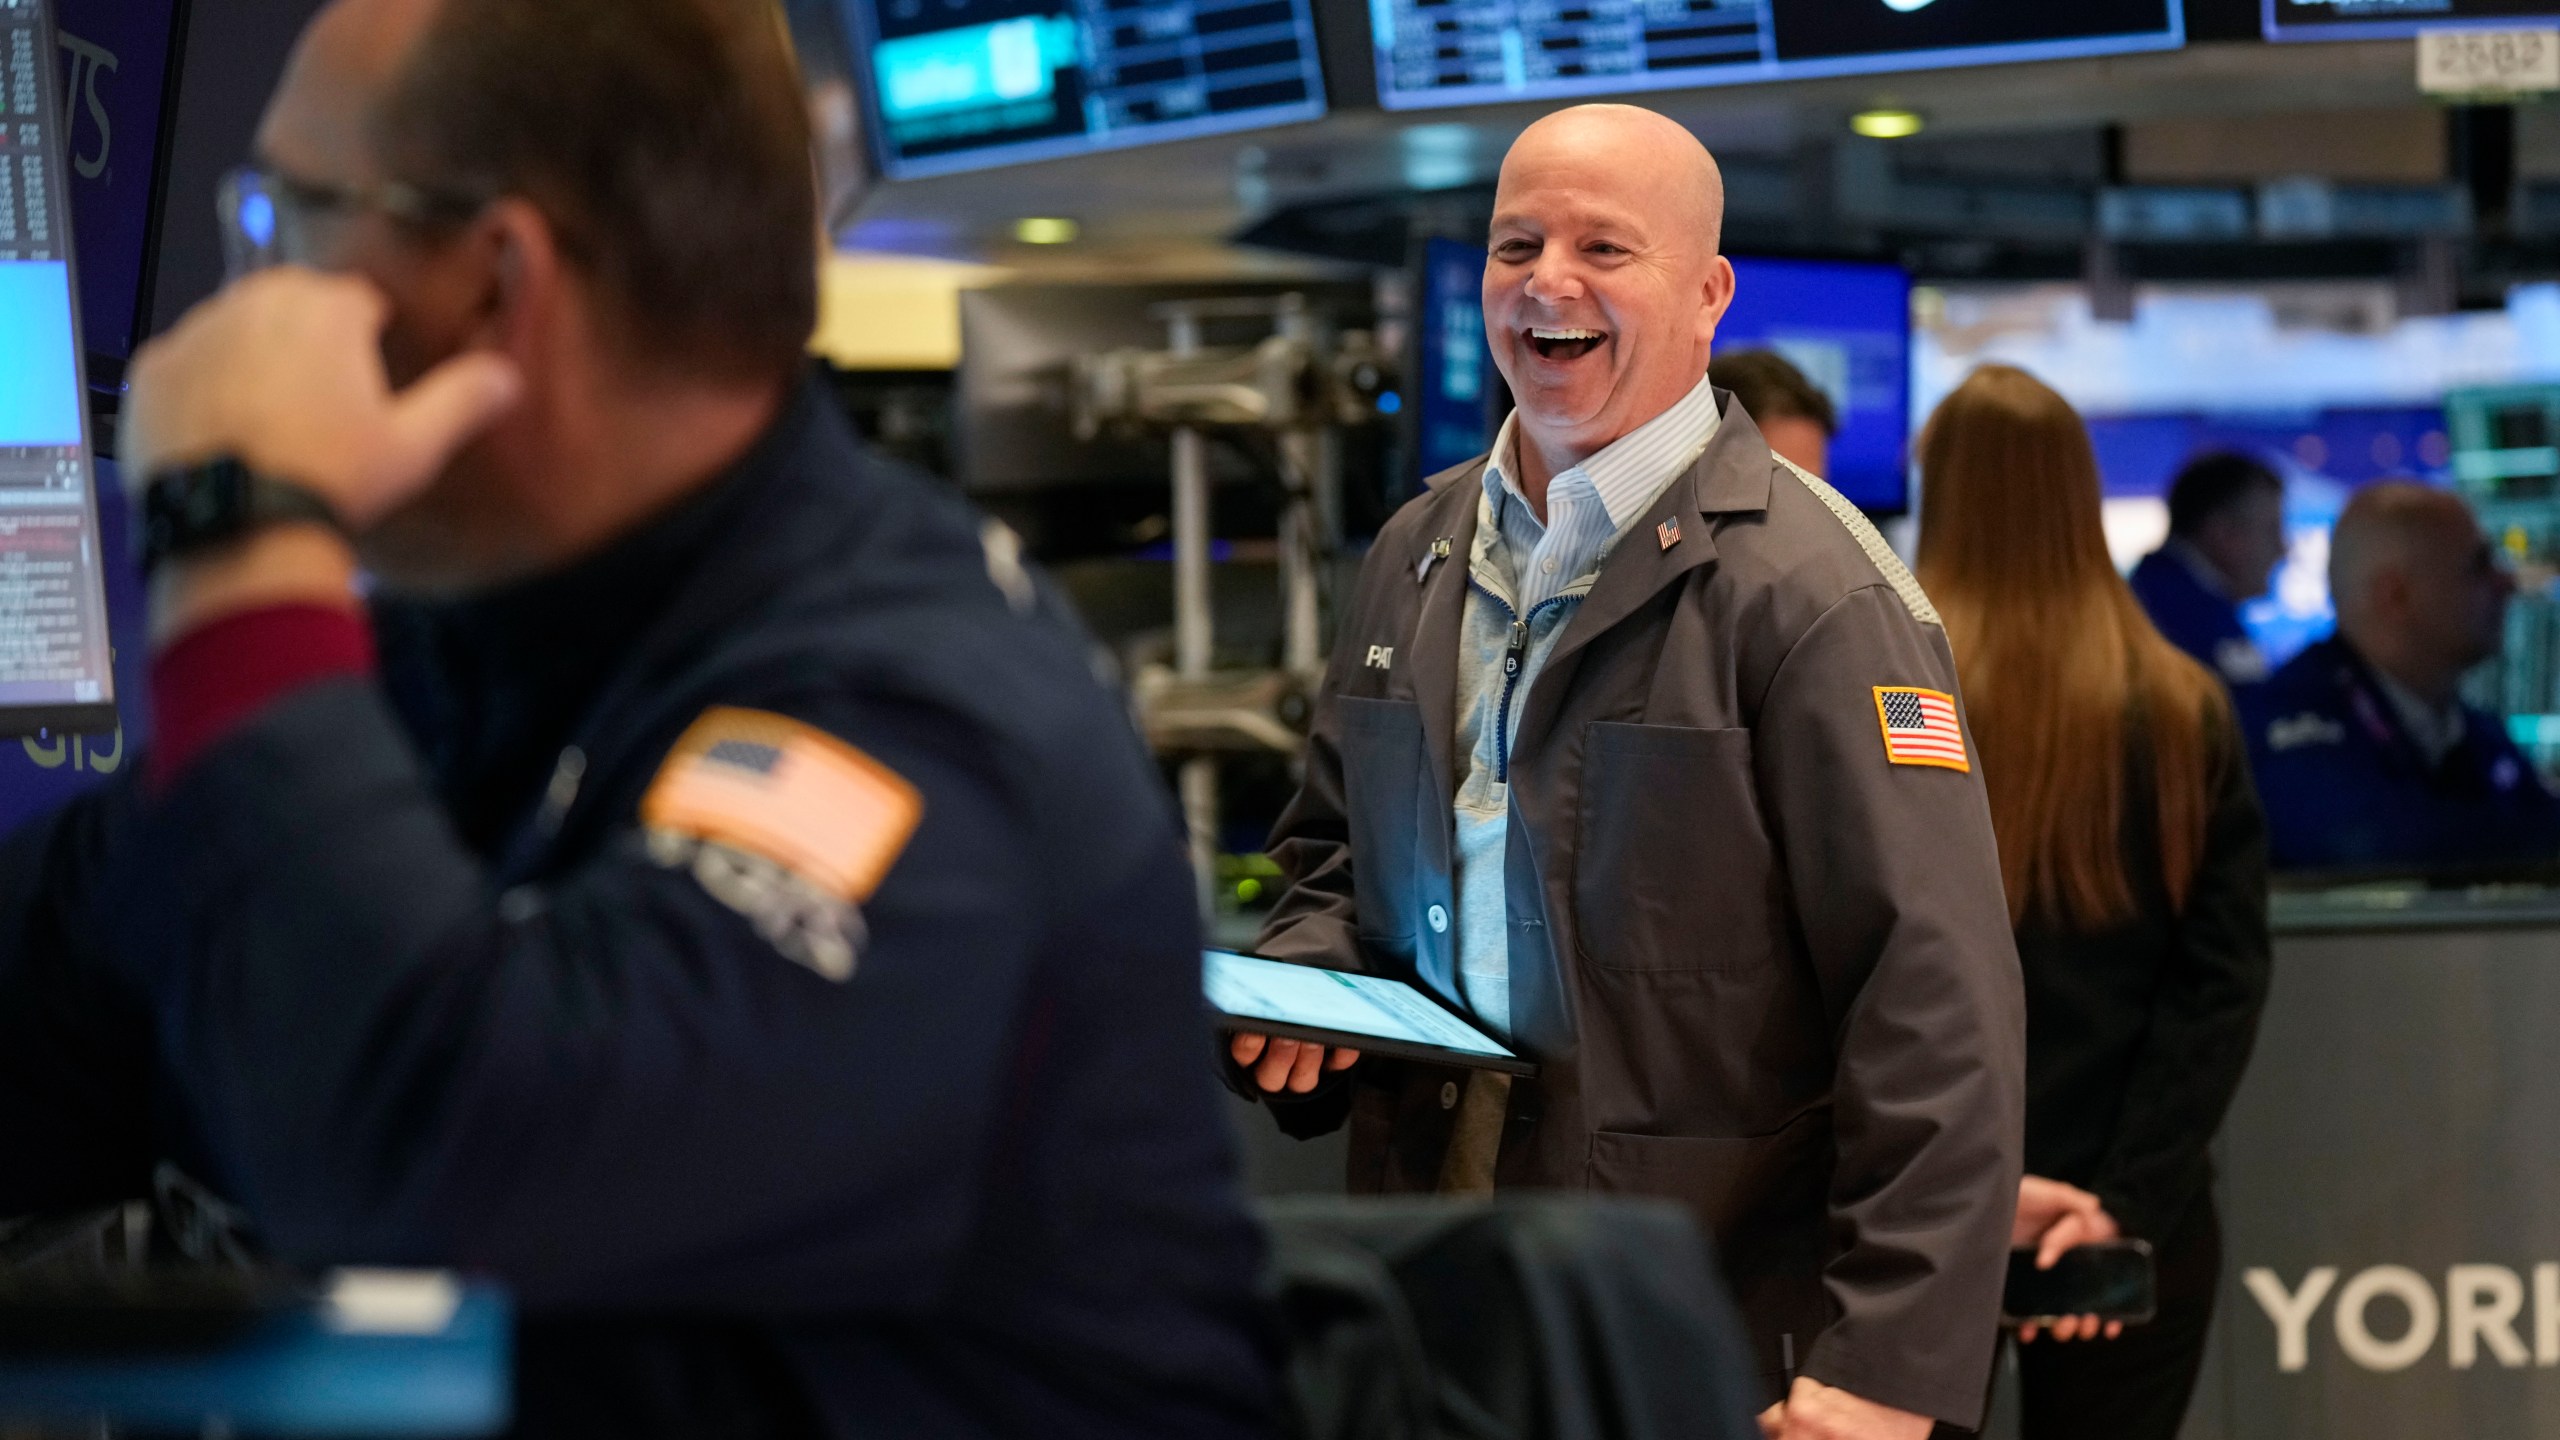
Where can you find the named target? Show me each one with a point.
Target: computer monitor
(56, 673)
(1473, 52)
(964, 84)
(2392, 19)
(1846, 324)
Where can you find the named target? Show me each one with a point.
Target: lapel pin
(1439, 551)
(1669, 531)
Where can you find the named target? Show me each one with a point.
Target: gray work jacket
(1766, 971)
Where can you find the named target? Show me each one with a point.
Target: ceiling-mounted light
(1046, 230)
(1887, 124)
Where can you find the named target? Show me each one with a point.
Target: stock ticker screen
(55, 670)
(2388, 19)
(963, 84)
(1469, 52)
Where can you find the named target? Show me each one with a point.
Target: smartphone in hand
(2113, 1280)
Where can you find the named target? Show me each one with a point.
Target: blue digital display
(1453, 419)
(57, 672)
(2395, 19)
(39, 369)
(1471, 52)
(965, 84)
(1845, 324)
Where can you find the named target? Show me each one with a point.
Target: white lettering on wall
(87, 61)
(2481, 1303)
(2481, 1310)
(2292, 1311)
(2412, 1291)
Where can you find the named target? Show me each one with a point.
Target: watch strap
(204, 506)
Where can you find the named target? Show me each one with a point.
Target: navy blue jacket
(2345, 788)
(394, 971)
(2197, 618)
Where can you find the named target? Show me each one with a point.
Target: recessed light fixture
(1046, 230)
(1886, 124)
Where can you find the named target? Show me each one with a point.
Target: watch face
(194, 510)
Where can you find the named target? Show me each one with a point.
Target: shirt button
(1549, 567)
(1439, 918)
(1449, 1095)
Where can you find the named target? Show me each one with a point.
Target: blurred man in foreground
(1793, 414)
(2363, 748)
(688, 892)
(1640, 746)
(2226, 537)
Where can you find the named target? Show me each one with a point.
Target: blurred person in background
(2135, 860)
(2226, 537)
(2364, 749)
(1794, 416)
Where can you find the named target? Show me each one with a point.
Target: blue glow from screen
(1847, 326)
(258, 220)
(39, 376)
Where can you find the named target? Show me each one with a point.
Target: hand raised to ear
(283, 371)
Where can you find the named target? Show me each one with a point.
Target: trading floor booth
(2391, 1176)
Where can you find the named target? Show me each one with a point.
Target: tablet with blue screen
(1368, 1013)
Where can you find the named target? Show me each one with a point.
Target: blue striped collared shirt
(1592, 504)
(1537, 574)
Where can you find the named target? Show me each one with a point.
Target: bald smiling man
(1642, 747)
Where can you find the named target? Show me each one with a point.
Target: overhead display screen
(1845, 323)
(56, 670)
(1468, 52)
(963, 84)
(2387, 19)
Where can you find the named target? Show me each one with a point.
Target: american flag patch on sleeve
(791, 793)
(1921, 728)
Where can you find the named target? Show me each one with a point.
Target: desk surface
(2401, 906)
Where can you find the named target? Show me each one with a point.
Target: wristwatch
(202, 507)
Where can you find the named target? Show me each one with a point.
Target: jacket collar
(1732, 476)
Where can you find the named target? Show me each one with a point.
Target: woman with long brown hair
(2134, 853)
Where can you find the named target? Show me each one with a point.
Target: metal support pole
(1303, 547)
(1194, 622)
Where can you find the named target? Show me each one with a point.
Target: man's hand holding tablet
(1279, 1062)
(1294, 1024)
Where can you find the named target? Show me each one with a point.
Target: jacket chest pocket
(1383, 799)
(1673, 869)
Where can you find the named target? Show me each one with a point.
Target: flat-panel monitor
(1454, 382)
(963, 84)
(1846, 324)
(56, 671)
(2391, 19)
(1470, 52)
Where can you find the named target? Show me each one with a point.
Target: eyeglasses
(271, 218)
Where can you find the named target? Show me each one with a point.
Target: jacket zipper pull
(1519, 647)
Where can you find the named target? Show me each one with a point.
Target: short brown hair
(667, 141)
(1771, 388)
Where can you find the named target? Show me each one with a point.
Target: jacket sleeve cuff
(1960, 1400)
(217, 679)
